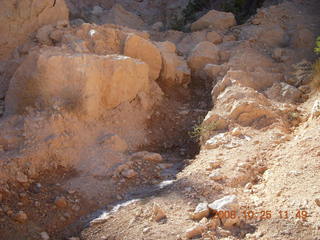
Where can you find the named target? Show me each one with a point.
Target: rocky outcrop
(19, 19)
(258, 80)
(85, 84)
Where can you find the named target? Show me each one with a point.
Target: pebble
(318, 202)
(44, 236)
(61, 202)
(215, 164)
(236, 132)
(223, 232)
(158, 213)
(147, 229)
(21, 178)
(216, 176)
(153, 157)
(21, 217)
(248, 186)
(129, 173)
(195, 231)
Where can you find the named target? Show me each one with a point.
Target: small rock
(213, 223)
(215, 164)
(97, 10)
(223, 232)
(147, 229)
(201, 211)
(153, 157)
(315, 112)
(61, 202)
(129, 173)
(21, 178)
(158, 213)
(195, 231)
(157, 26)
(227, 203)
(236, 132)
(1, 197)
(216, 175)
(21, 217)
(318, 202)
(248, 186)
(44, 236)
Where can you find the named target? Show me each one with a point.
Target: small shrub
(317, 48)
(200, 129)
(315, 83)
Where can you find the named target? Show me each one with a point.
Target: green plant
(293, 116)
(317, 48)
(200, 129)
(315, 83)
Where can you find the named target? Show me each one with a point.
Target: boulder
(283, 92)
(248, 59)
(81, 83)
(273, 36)
(245, 106)
(120, 16)
(303, 38)
(214, 19)
(214, 37)
(190, 40)
(227, 203)
(147, 156)
(140, 48)
(213, 70)
(258, 80)
(19, 19)
(202, 54)
(175, 70)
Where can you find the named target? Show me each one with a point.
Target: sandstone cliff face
(19, 19)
